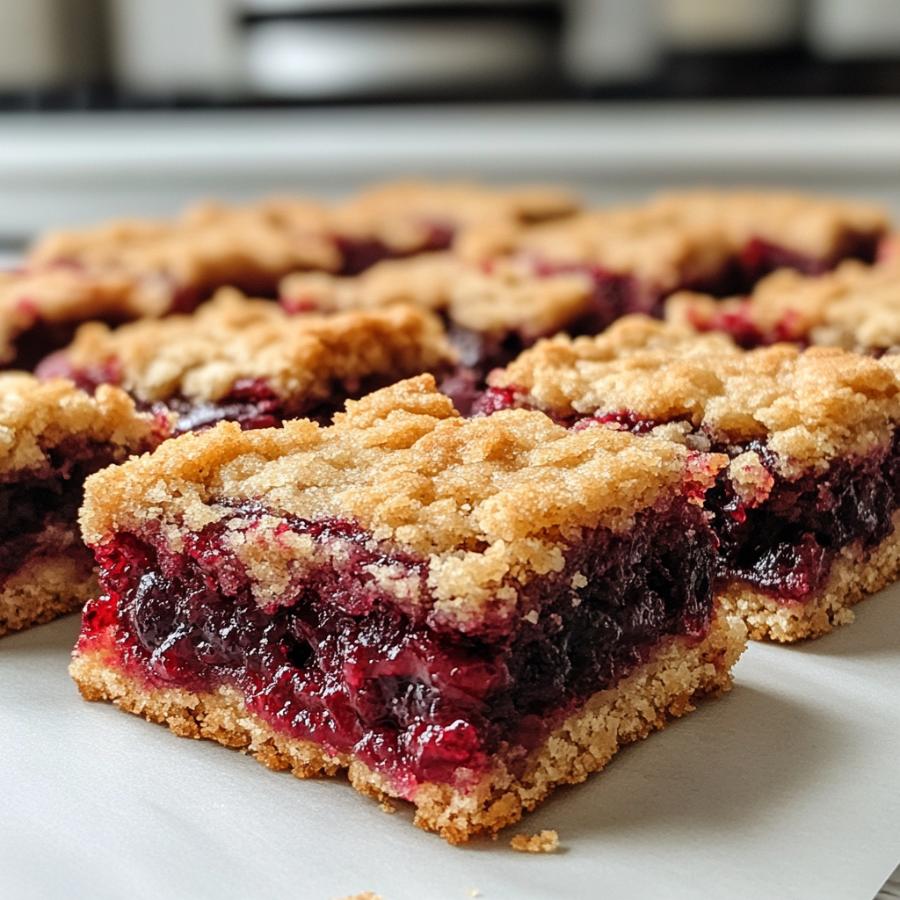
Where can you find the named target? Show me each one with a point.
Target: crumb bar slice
(725, 241)
(856, 307)
(490, 316)
(400, 219)
(40, 309)
(52, 436)
(462, 613)
(807, 508)
(771, 230)
(247, 361)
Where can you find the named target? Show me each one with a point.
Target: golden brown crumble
(67, 294)
(200, 357)
(810, 406)
(402, 215)
(488, 502)
(659, 251)
(37, 417)
(543, 842)
(814, 226)
(508, 298)
(680, 238)
(855, 306)
(666, 686)
(208, 245)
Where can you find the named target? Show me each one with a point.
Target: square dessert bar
(405, 218)
(174, 265)
(40, 309)
(637, 256)
(462, 613)
(490, 316)
(52, 436)
(247, 361)
(770, 230)
(856, 307)
(806, 511)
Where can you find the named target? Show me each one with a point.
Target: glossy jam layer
(759, 257)
(337, 662)
(786, 545)
(359, 254)
(33, 502)
(785, 542)
(251, 402)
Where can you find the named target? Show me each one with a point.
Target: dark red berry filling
(760, 257)
(359, 254)
(251, 402)
(35, 501)
(785, 542)
(737, 323)
(337, 662)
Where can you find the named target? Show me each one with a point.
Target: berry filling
(251, 402)
(783, 539)
(336, 661)
(760, 257)
(786, 541)
(359, 254)
(39, 509)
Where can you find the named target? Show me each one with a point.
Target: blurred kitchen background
(113, 107)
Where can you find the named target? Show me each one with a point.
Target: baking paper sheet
(789, 787)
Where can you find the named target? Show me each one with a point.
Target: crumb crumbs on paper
(388, 807)
(543, 842)
(365, 895)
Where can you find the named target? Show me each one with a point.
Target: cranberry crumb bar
(179, 263)
(806, 510)
(770, 230)
(490, 316)
(52, 436)
(637, 256)
(405, 218)
(41, 308)
(247, 361)
(463, 613)
(856, 307)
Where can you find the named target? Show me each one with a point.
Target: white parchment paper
(789, 787)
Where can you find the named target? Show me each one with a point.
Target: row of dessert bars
(511, 553)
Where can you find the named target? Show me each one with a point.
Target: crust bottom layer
(44, 587)
(855, 574)
(663, 688)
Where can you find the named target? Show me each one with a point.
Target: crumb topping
(814, 226)
(37, 417)
(508, 298)
(679, 238)
(402, 214)
(810, 406)
(200, 357)
(67, 294)
(488, 502)
(208, 244)
(542, 842)
(659, 250)
(855, 306)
